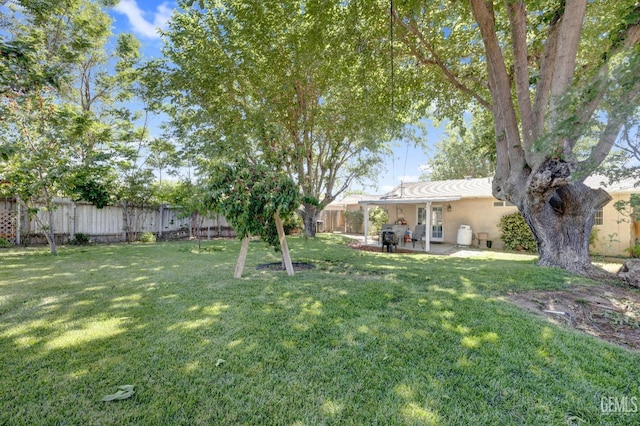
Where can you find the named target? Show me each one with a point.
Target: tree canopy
(254, 198)
(62, 90)
(249, 196)
(303, 86)
(467, 150)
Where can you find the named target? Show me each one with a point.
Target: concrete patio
(445, 249)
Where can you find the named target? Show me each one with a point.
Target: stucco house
(446, 206)
(333, 216)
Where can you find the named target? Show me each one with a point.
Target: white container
(465, 235)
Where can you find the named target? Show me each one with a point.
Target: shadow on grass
(364, 338)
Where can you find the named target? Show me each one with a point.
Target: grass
(364, 338)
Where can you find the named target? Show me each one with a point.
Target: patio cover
(401, 200)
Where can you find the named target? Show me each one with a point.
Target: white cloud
(138, 17)
(425, 168)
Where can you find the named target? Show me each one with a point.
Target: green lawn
(364, 338)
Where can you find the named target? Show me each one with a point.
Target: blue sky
(144, 17)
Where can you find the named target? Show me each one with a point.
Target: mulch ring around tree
(278, 266)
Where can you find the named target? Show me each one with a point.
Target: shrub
(80, 239)
(593, 236)
(354, 220)
(292, 223)
(634, 251)
(516, 233)
(4, 242)
(148, 237)
(378, 217)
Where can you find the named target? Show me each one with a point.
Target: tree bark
(561, 214)
(309, 214)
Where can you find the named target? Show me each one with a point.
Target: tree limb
(517, 19)
(547, 65)
(436, 60)
(499, 84)
(608, 137)
(566, 53)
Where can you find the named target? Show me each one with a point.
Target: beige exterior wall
(616, 233)
(480, 214)
(614, 236)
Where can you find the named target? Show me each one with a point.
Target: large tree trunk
(561, 214)
(309, 214)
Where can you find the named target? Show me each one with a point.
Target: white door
(435, 227)
(437, 231)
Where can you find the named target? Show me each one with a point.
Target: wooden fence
(109, 224)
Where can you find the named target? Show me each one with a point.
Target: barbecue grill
(389, 239)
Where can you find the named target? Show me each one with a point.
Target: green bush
(292, 223)
(148, 237)
(516, 233)
(378, 217)
(80, 239)
(354, 219)
(593, 236)
(4, 242)
(634, 251)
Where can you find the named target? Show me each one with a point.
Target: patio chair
(400, 231)
(419, 234)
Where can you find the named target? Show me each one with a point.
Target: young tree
(300, 85)
(62, 97)
(551, 73)
(42, 126)
(193, 201)
(254, 199)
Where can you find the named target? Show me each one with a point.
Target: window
(422, 216)
(599, 219)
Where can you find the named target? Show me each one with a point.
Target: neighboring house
(333, 217)
(447, 205)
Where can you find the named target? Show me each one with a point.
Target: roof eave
(381, 201)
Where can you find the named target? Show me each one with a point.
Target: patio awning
(427, 201)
